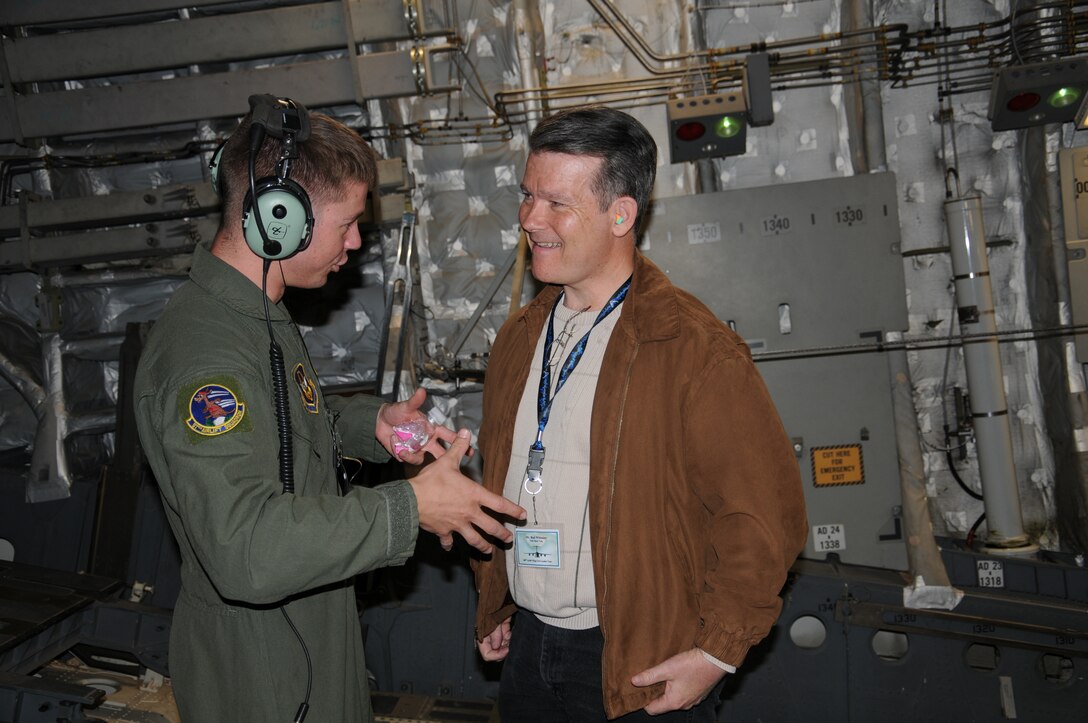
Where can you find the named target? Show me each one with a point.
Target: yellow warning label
(839, 465)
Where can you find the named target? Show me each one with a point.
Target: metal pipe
(20, 380)
(985, 380)
(529, 45)
(864, 103)
(926, 565)
(48, 478)
(103, 347)
(100, 422)
(930, 586)
(827, 64)
(1063, 447)
(153, 271)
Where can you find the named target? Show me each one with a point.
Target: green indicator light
(727, 127)
(1063, 97)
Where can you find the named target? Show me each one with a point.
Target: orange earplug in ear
(619, 219)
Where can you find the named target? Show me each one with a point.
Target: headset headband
(280, 116)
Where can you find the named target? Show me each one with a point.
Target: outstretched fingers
(449, 502)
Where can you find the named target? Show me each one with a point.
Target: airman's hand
(449, 502)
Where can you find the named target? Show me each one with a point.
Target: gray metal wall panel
(316, 83)
(131, 49)
(427, 605)
(24, 12)
(163, 239)
(829, 249)
(744, 252)
(112, 209)
(1073, 167)
(146, 103)
(1078, 292)
(845, 680)
(835, 402)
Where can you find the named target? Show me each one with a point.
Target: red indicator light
(1023, 102)
(691, 131)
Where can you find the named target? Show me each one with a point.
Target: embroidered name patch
(307, 389)
(213, 410)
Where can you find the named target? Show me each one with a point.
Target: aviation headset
(281, 222)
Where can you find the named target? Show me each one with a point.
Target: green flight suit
(207, 422)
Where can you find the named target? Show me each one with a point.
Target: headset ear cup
(213, 168)
(287, 216)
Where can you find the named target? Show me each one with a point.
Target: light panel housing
(707, 126)
(1038, 93)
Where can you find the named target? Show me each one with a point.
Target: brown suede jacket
(696, 505)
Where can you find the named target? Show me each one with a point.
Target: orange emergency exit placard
(839, 465)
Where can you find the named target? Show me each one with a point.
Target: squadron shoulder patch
(307, 389)
(214, 409)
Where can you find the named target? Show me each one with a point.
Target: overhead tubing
(721, 68)
(654, 62)
(678, 73)
(962, 59)
(959, 59)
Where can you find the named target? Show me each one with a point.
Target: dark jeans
(552, 675)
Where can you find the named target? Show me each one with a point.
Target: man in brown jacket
(664, 500)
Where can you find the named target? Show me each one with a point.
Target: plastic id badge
(537, 547)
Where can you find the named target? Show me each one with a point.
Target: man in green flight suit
(266, 619)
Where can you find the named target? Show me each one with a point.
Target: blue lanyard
(545, 396)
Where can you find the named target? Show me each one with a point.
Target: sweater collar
(651, 312)
(222, 281)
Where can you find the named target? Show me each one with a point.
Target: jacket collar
(651, 311)
(222, 281)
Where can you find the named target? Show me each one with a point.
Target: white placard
(990, 573)
(829, 538)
